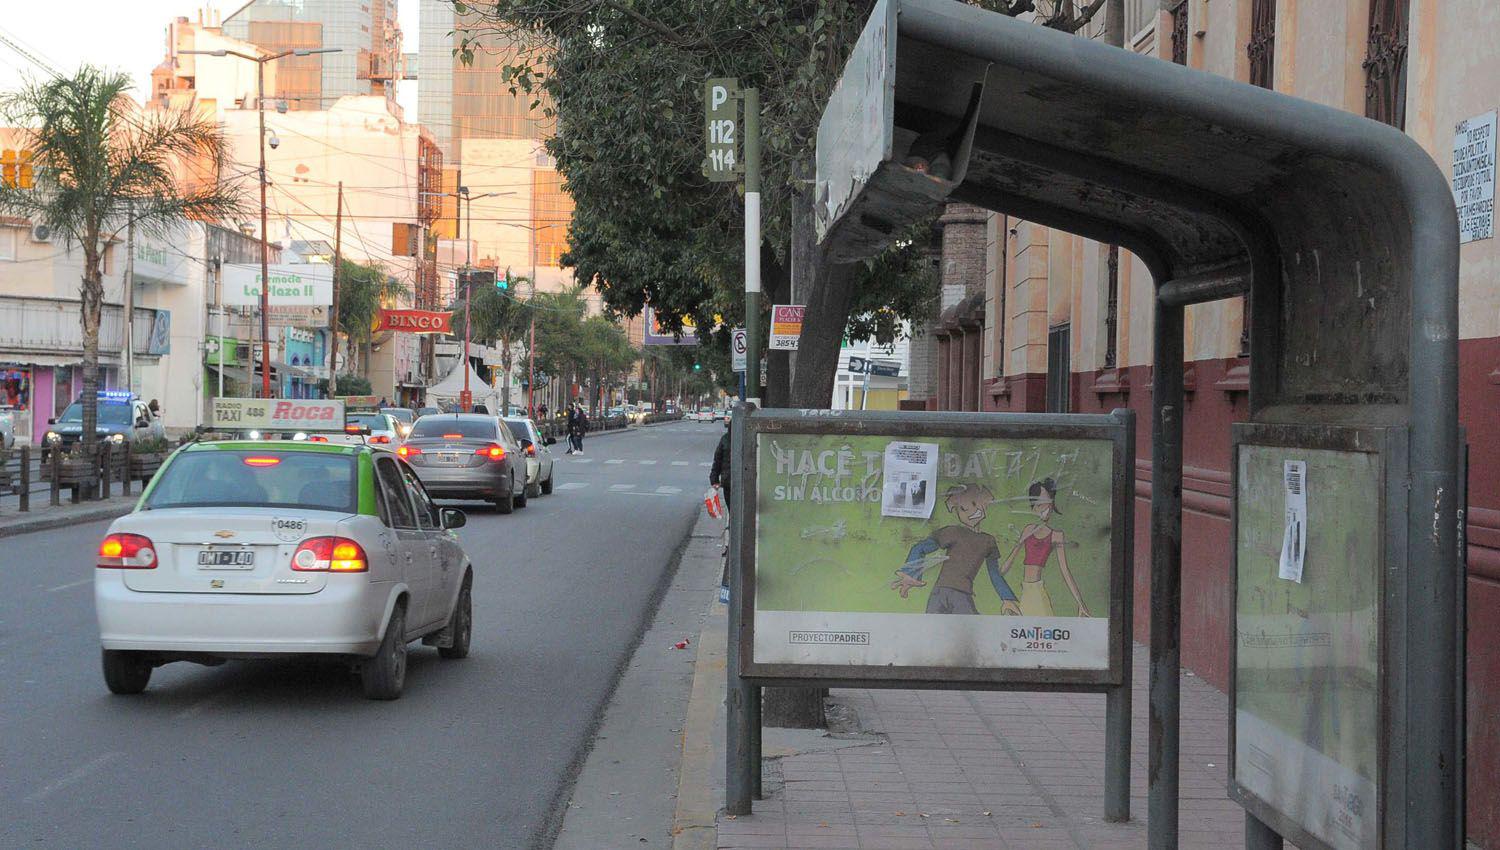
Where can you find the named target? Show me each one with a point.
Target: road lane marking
(78, 583)
(581, 459)
(706, 463)
(648, 463)
(614, 460)
(668, 490)
(640, 493)
(68, 779)
(679, 463)
(572, 485)
(620, 488)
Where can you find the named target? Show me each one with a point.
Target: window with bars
(1060, 369)
(1179, 15)
(1262, 47)
(1385, 62)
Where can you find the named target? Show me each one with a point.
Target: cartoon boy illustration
(965, 549)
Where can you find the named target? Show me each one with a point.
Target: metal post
(467, 277)
(106, 460)
(125, 470)
(265, 261)
(741, 709)
(127, 353)
(1166, 581)
(864, 399)
(333, 310)
(56, 461)
(1119, 700)
(1258, 836)
(25, 479)
(752, 245)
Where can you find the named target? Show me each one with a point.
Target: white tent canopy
(446, 392)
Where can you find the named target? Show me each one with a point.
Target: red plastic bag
(713, 500)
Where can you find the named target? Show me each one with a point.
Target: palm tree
(102, 164)
(363, 290)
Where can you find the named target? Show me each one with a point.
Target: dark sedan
(467, 456)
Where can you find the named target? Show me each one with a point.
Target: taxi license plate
(226, 559)
(447, 457)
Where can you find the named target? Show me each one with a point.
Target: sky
(128, 35)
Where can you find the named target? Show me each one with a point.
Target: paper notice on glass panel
(1294, 538)
(910, 480)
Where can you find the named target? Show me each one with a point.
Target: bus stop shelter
(1341, 231)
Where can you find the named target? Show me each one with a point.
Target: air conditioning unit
(41, 233)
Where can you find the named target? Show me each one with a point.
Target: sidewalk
(1003, 771)
(43, 516)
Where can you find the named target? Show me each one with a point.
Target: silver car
(251, 549)
(539, 466)
(468, 456)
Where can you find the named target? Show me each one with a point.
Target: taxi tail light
(493, 451)
(380, 439)
(408, 451)
(330, 554)
(531, 450)
(317, 439)
(126, 552)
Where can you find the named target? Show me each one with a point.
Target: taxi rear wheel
(507, 503)
(460, 625)
(547, 485)
(126, 672)
(384, 675)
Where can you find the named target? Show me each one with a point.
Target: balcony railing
(52, 326)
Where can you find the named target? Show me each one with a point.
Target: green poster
(872, 549)
(1307, 703)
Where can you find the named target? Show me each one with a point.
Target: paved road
(288, 754)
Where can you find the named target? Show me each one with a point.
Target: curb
(67, 517)
(695, 826)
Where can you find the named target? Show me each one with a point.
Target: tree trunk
(828, 302)
(91, 296)
(776, 283)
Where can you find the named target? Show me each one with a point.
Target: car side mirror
(550, 441)
(52, 421)
(454, 518)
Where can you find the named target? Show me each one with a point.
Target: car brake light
(531, 450)
(262, 461)
(380, 439)
(408, 451)
(453, 436)
(492, 452)
(127, 552)
(316, 439)
(329, 554)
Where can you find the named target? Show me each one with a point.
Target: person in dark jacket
(719, 473)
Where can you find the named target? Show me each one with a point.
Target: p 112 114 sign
(721, 100)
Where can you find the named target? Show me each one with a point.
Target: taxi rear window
(257, 479)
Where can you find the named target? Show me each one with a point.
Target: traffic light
(697, 367)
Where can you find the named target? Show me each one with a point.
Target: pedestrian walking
(580, 429)
(571, 425)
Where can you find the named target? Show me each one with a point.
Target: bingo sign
(414, 321)
(285, 414)
(1474, 177)
(786, 326)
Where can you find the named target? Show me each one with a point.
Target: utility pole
(128, 355)
(223, 319)
(752, 245)
(333, 318)
(265, 261)
(468, 281)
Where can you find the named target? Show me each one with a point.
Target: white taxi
(244, 549)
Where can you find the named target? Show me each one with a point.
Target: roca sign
(277, 414)
(414, 321)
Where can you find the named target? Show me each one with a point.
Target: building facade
(1053, 322)
(365, 33)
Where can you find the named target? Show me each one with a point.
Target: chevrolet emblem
(226, 534)
(218, 582)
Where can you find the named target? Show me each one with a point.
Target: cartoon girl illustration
(1041, 540)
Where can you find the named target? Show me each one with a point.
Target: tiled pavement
(1002, 771)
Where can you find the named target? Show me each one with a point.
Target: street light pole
(468, 278)
(265, 270)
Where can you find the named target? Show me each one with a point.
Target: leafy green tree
(363, 289)
(102, 164)
(498, 318)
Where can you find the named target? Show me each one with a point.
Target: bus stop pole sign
(721, 101)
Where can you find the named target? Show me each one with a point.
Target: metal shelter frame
(1342, 232)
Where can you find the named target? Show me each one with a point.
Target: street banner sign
(869, 532)
(877, 368)
(292, 285)
(739, 350)
(414, 321)
(656, 334)
(786, 326)
(721, 101)
(273, 414)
